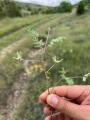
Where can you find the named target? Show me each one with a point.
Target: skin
(71, 102)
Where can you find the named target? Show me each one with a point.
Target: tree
(81, 8)
(1, 9)
(10, 8)
(65, 7)
(29, 8)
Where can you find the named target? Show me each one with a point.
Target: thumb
(64, 106)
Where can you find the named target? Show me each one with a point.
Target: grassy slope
(75, 51)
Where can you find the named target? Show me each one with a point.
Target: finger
(46, 110)
(57, 116)
(73, 110)
(86, 101)
(67, 118)
(48, 118)
(71, 92)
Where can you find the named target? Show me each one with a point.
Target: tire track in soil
(8, 50)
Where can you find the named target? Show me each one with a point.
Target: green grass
(54, 23)
(12, 38)
(9, 25)
(76, 29)
(19, 34)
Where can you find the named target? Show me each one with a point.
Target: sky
(47, 2)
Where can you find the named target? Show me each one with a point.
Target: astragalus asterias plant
(41, 65)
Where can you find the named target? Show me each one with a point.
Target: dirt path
(17, 91)
(7, 50)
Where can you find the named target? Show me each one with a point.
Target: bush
(81, 8)
(1, 10)
(34, 11)
(65, 7)
(87, 4)
(10, 8)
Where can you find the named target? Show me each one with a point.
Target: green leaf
(85, 77)
(69, 81)
(56, 60)
(18, 56)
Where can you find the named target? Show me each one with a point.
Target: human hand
(71, 102)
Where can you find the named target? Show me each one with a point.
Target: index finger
(71, 92)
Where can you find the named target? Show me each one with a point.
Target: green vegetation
(70, 45)
(10, 75)
(19, 34)
(25, 45)
(81, 8)
(65, 39)
(9, 25)
(87, 4)
(65, 7)
(11, 8)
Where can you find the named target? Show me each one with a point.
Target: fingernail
(46, 119)
(53, 100)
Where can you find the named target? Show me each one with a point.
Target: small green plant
(36, 43)
(18, 56)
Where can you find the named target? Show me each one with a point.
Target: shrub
(65, 7)
(10, 8)
(81, 8)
